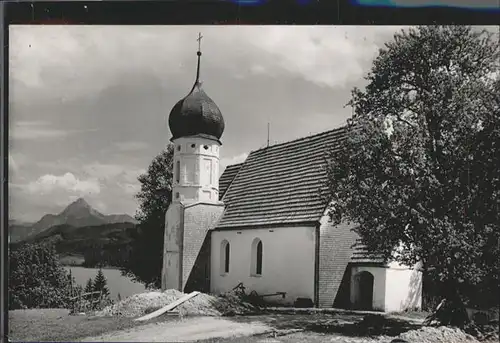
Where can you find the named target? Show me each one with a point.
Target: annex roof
(361, 254)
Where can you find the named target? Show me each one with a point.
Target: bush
(37, 279)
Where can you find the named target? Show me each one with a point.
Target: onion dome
(196, 113)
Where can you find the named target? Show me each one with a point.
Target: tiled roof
(360, 254)
(227, 178)
(281, 184)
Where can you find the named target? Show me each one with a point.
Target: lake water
(116, 282)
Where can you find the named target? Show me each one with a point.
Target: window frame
(225, 257)
(257, 258)
(177, 171)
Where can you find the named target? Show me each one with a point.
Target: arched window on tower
(224, 257)
(177, 171)
(256, 260)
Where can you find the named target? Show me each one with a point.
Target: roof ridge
(324, 133)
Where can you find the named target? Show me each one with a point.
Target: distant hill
(19, 230)
(77, 214)
(108, 244)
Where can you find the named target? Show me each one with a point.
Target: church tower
(196, 124)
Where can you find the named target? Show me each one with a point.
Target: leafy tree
(100, 283)
(37, 279)
(420, 168)
(146, 254)
(89, 287)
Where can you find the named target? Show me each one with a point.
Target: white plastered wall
(403, 288)
(196, 170)
(395, 287)
(172, 248)
(287, 262)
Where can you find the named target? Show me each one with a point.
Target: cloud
(130, 188)
(125, 80)
(67, 182)
(131, 146)
(329, 56)
(103, 171)
(124, 177)
(63, 62)
(109, 171)
(30, 130)
(34, 130)
(227, 161)
(13, 164)
(132, 175)
(18, 167)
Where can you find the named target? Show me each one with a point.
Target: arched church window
(178, 148)
(256, 260)
(258, 269)
(224, 258)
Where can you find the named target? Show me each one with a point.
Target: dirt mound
(437, 335)
(201, 305)
(230, 305)
(138, 304)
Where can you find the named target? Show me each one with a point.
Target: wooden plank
(169, 307)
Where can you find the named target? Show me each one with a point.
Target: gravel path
(188, 330)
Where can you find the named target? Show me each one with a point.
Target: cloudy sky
(89, 104)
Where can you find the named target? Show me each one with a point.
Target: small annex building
(264, 222)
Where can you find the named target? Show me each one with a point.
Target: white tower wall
(196, 170)
(195, 180)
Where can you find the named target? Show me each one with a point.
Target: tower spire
(199, 57)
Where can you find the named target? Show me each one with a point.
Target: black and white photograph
(253, 184)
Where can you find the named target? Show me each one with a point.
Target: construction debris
(440, 334)
(201, 305)
(139, 304)
(169, 307)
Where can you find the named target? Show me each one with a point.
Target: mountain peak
(80, 208)
(80, 202)
(77, 214)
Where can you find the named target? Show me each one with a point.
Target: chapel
(264, 223)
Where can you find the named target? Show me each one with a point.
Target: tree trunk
(451, 310)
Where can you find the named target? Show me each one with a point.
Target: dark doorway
(364, 288)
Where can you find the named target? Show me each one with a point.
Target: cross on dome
(199, 41)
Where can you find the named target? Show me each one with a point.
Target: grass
(57, 325)
(301, 337)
